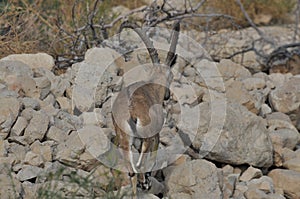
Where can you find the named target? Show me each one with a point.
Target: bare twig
(261, 34)
(297, 21)
(141, 9)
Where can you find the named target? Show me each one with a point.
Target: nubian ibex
(137, 111)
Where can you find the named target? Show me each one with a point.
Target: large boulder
(286, 98)
(194, 179)
(287, 180)
(39, 60)
(243, 139)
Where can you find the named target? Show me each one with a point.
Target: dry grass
(278, 9)
(29, 26)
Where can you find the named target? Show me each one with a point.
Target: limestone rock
(56, 134)
(95, 140)
(287, 180)
(30, 189)
(263, 183)
(9, 110)
(285, 138)
(17, 152)
(286, 98)
(18, 128)
(243, 139)
(229, 69)
(92, 73)
(29, 172)
(43, 149)
(33, 60)
(14, 68)
(93, 118)
(33, 159)
(10, 187)
(30, 103)
(65, 104)
(293, 164)
(37, 127)
(229, 184)
(3, 148)
(278, 120)
(59, 86)
(24, 85)
(264, 110)
(200, 180)
(250, 173)
(72, 152)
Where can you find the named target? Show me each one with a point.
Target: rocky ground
(53, 128)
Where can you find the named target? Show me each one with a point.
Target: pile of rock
(49, 122)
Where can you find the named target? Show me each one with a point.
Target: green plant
(71, 184)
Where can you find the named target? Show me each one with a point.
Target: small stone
(50, 110)
(255, 194)
(3, 151)
(65, 104)
(254, 83)
(263, 183)
(17, 151)
(278, 120)
(31, 103)
(33, 159)
(59, 86)
(18, 139)
(93, 118)
(10, 187)
(20, 125)
(286, 98)
(56, 134)
(30, 189)
(250, 173)
(14, 67)
(9, 110)
(94, 139)
(43, 149)
(229, 183)
(293, 164)
(288, 154)
(239, 191)
(29, 172)
(50, 99)
(42, 82)
(264, 110)
(228, 169)
(69, 152)
(37, 127)
(27, 113)
(285, 138)
(287, 180)
(24, 85)
(229, 69)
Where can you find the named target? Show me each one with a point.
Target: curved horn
(171, 57)
(148, 43)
